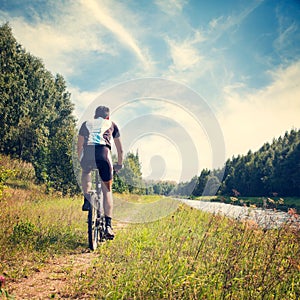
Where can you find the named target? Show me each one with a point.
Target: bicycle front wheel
(93, 232)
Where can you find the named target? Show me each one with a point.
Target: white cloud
(250, 120)
(169, 131)
(171, 7)
(287, 29)
(75, 30)
(81, 99)
(188, 63)
(103, 15)
(160, 158)
(61, 42)
(184, 55)
(222, 24)
(215, 22)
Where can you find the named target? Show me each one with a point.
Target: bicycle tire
(93, 234)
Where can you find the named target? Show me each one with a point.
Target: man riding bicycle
(94, 151)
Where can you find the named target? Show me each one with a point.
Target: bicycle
(96, 217)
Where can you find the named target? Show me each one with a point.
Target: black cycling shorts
(97, 157)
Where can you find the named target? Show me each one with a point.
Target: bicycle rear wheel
(93, 228)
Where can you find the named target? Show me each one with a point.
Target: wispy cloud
(184, 55)
(75, 29)
(250, 119)
(219, 25)
(60, 41)
(103, 16)
(171, 7)
(287, 29)
(188, 63)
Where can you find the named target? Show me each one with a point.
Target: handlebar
(117, 168)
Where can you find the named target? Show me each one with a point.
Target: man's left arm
(119, 147)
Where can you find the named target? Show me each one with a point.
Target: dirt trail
(54, 280)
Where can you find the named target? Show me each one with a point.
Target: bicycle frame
(96, 219)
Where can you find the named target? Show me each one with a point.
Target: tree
(130, 176)
(201, 183)
(36, 115)
(274, 168)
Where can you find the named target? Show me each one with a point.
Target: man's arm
(80, 143)
(119, 150)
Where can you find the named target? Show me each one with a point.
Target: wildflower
(2, 281)
(235, 192)
(293, 213)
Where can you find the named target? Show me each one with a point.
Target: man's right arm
(80, 143)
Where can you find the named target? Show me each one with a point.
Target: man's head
(102, 111)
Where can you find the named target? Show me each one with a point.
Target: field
(188, 254)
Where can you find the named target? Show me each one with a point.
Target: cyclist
(94, 150)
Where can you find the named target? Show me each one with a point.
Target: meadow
(188, 254)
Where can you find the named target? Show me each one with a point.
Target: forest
(273, 170)
(38, 126)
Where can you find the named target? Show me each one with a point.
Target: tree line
(272, 170)
(38, 124)
(130, 180)
(37, 121)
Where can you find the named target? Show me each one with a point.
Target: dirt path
(55, 279)
(52, 281)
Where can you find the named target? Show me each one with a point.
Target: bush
(23, 232)
(5, 174)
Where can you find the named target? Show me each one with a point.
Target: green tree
(36, 115)
(129, 178)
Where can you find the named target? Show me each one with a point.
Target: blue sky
(241, 56)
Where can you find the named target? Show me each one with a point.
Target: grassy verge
(35, 227)
(194, 255)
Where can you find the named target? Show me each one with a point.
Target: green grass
(143, 209)
(133, 198)
(194, 255)
(188, 254)
(34, 227)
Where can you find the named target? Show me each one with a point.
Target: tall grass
(187, 255)
(34, 226)
(194, 255)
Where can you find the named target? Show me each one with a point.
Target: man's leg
(86, 182)
(107, 198)
(108, 206)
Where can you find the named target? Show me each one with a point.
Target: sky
(189, 82)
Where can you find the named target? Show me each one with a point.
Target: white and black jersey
(99, 132)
